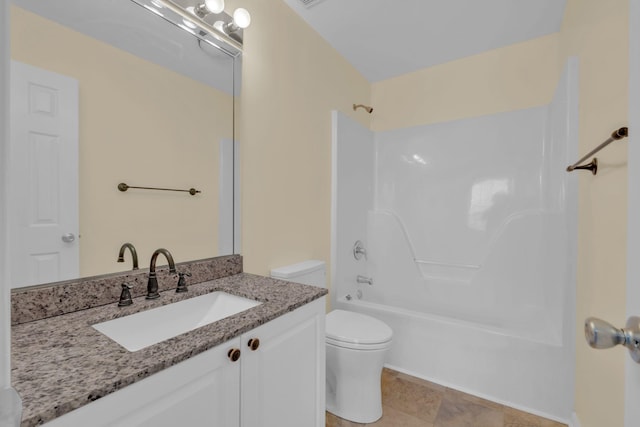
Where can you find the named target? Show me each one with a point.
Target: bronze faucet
(134, 254)
(152, 285)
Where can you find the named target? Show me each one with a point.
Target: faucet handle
(359, 251)
(125, 296)
(182, 282)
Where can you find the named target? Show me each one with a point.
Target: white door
(632, 369)
(43, 177)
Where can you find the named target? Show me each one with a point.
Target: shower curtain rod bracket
(593, 166)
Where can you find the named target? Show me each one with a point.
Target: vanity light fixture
(208, 7)
(192, 19)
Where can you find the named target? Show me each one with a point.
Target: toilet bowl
(356, 346)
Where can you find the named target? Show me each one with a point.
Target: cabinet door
(201, 391)
(283, 380)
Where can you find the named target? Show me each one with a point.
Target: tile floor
(411, 402)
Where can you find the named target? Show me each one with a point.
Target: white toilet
(356, 349)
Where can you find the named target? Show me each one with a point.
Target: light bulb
(189, 24)
(157, 4)
(214, 6)
(241, 18)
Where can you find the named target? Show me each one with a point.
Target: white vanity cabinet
(283, 379)
(201, 391)
(278, 382)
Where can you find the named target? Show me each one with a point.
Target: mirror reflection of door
(43, 176)
(155, 105)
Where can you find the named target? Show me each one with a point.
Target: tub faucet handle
(359, 251)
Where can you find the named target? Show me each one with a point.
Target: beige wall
(286, 204)
(140, 124)
(597, 32)
(292, 79)
(525, 75)
(519, 76)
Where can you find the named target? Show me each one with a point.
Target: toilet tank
(311, 272)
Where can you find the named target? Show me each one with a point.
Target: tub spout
(363, 279)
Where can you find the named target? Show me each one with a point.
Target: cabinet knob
(234, 354)
(253, 344)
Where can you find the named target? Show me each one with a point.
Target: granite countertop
(62, 363)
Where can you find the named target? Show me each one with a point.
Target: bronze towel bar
(124, 187)
(593, 166)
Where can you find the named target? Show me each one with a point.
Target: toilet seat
(356, 331)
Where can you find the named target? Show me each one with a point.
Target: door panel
(282, 381)
(43, 191)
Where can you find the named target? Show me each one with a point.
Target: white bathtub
(480, 360)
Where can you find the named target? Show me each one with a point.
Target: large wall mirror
(105, 92)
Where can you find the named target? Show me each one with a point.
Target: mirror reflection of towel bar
(124, 187)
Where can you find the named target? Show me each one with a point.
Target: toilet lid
(356, 328)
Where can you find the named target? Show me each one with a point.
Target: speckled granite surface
(29, 304)
(61, 363)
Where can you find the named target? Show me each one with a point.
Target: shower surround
(470, 232)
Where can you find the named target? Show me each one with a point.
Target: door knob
(68, 238)
(600, 334)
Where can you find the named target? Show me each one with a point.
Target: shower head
(366, 108)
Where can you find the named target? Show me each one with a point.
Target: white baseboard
(574, 421)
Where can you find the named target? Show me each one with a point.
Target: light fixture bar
(217, 34)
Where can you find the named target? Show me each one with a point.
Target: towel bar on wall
(593, 165)
(124, 187)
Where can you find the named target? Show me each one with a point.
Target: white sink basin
(146, 328)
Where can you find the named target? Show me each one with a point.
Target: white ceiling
(384, 39)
